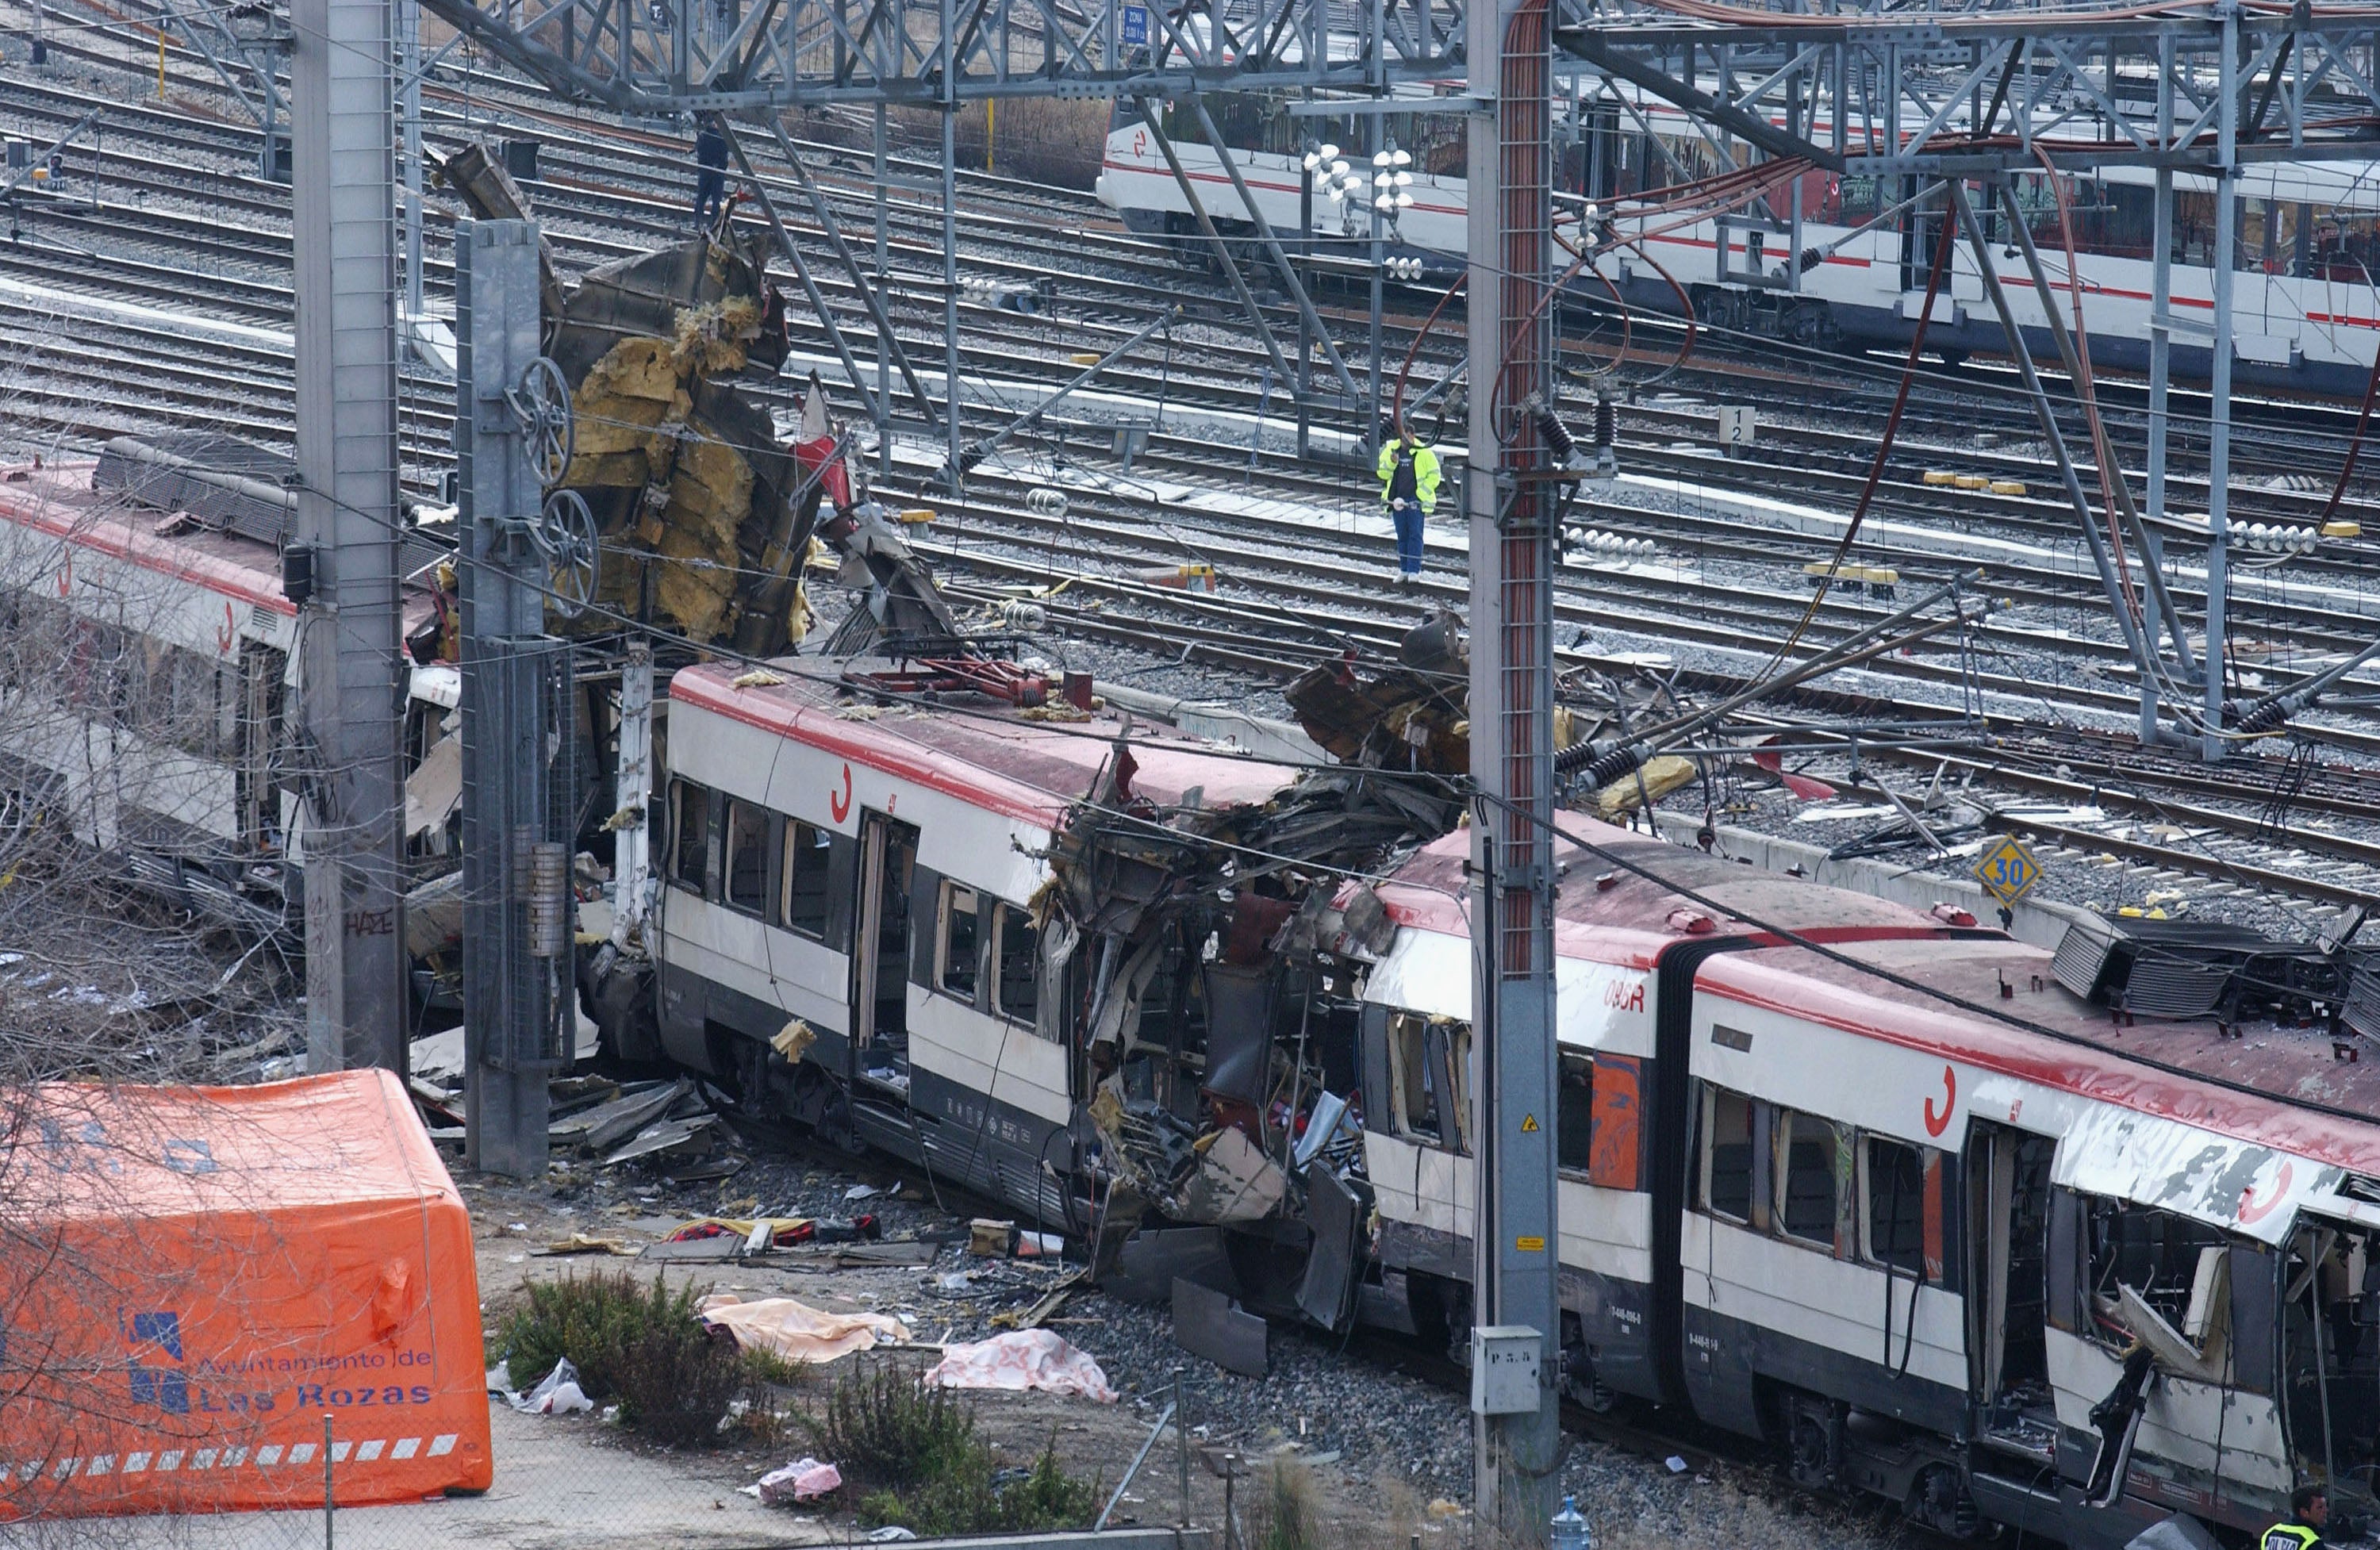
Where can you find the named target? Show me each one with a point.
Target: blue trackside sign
(1136, 24)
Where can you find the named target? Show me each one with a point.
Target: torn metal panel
(1208, 1322)
(2235, 1185)
(479, 176)
(1154, 1258)
(1327, 1292)
(434, 789)
(1236, 1182)
(1239, 1031)
(1409, 717)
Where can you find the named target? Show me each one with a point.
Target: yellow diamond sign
(2006, 869)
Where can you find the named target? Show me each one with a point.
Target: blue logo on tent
(155, 1334)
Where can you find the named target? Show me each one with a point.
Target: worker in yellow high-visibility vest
(1409, 488)
(2309, 1511)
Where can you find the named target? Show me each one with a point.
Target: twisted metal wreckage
(1201, 950)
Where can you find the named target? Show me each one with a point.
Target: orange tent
(204, 1290)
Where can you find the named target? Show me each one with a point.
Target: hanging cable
(2103, 450)
(1882, 447)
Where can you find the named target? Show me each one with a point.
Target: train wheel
(1814, 1439)
(1939, 1501)
(1716, 309)
(1580, 1384)
(1812, 326)
(1190, 244)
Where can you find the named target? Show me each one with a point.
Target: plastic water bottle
(1570, 1529)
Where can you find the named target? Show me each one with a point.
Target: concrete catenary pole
(1511, 506)
(351, 671)
(517, 725)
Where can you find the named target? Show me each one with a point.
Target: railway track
(1714, 583)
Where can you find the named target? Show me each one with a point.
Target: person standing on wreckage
(1409, 488)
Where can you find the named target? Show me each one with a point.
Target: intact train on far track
(1828, 263)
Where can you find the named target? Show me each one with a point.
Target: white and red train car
(859, 893)
(1904, 1206)
(147, 685)
(2306, 308)
(1865, 1182)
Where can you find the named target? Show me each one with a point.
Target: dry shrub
(1042, 139)
(912, 1458)
(1287, 1512)
(642, 1346)
(675, 1384)
(1061, 142)
(885, 1430)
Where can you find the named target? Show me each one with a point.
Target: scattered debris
(1210, 1323)
(585, 1244)
(1020, 1359)
(556, 1393)
(804, 1480)
(1049, 1303)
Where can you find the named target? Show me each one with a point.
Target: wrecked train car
(148, 676)
(1986, 1231)
(707, 517)
(1059, 962)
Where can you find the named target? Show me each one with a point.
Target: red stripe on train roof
(87, 526)
(2100, 1074)
(1166, 771)
(857, 741)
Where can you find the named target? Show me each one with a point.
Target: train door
(879, 976)
(258, 709)
(2329, 1357)
(1921, 236)
(2008, 1180)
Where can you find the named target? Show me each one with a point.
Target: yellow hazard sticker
(1530, 1245)
(1528, 1124)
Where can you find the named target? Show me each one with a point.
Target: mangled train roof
(1602, 901)
(2269, 1072)
(987, 752)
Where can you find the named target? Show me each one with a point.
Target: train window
(102, 668)
(747, 856)
(803, 896)
(1810, 1146)
(1727, 1154)
(1416, 1089)
(2154, 1254)
(1574, 1116)
(1016, 950)
(690, 834)
(1451, 1055)
(1895, 1204)
(957, 970)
